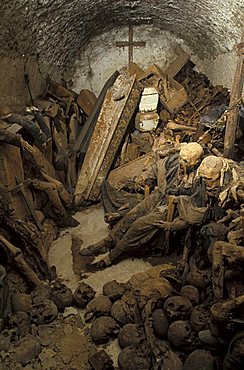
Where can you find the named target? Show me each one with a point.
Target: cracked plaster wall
(52, 35)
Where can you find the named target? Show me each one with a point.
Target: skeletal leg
(52, 192)
(124, 225)
(18, 258)
(138, 235)
(64, 195)
(143, 208)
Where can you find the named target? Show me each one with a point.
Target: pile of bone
(156, 327)
(19, 331)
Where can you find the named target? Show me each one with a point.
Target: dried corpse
(176, 180)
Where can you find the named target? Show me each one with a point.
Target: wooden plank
(177, 64)
(73, 126)
(235, 96)
(112, 123)
(135, 69)
(83, 139)
(130, 171)
(86, 101)
(122, 125)
(11, 166)
(175, 97)
(60, 135)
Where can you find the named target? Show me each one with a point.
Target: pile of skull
(160, 325)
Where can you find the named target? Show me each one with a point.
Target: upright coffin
(119, 105)
(11, 168)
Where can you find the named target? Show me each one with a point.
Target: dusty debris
(101, 361)
(103, 329)
(28, 349)
(83, 294)
(151, 148)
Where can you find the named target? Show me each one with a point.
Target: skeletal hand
(163, 224)
(176, 224)
(26, 146)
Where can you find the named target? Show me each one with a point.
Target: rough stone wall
(53, 32)
(100, 57)
(14, 90)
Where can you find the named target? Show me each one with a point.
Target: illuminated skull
(190, 154)
(210, 170)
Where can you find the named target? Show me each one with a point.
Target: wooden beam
(83, 138)
(235, 96)
(177, 64)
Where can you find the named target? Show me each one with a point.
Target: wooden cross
(130, 44)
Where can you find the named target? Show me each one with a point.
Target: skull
(200, 318)
(43, 313)
(130, 336)
(180, 335)
(21, 302)
(190, 154)
(61, 296)
(40, 293)
(20, 321)
(153, 289)
(190, 292)
(27, 349)
(114, 290)
(5, 111)
(126, 310)
(101, 360)
(169, 360)
(177, 307)
(235, 355)
(199, 279)
(103, 329)
(199, 359)
(99, 306)
(118, 312)
(160, 323)
(132, 358)
(210, 170)
(6, 336)
(83, 294)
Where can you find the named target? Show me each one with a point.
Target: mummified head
(210, 171)
(190, 154)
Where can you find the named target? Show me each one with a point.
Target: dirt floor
(70, 266)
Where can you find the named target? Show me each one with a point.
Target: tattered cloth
(113, 199)
(189, 212)
(137, 227)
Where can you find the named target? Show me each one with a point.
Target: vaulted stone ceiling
(55, 30)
